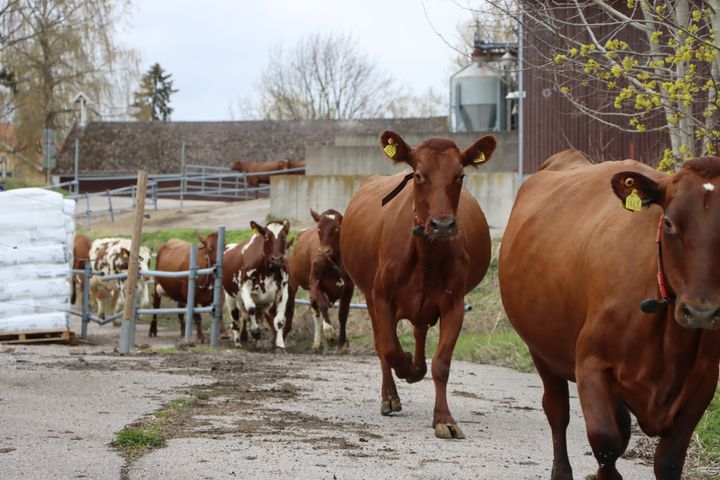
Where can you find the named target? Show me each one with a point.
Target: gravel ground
(268, 416)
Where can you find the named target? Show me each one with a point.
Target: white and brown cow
(111, 256)
(255, 279)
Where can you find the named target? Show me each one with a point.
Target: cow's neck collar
(652, 305)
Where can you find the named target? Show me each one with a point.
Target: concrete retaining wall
(292, 196)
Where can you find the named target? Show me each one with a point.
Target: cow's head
(274, 236)
(121, 261)
(207, 249)
(144, 257)
(437, 176)
(690, 235)
(328, 226)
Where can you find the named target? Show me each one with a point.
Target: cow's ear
(124, 253)
(286, 226)
(315, 215)
(395, 148)
(289, 243)
(636, 190)
(257, 227)
(479, 152)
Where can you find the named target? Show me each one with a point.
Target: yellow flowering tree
(638, 65)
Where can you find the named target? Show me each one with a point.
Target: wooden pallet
(62, 336)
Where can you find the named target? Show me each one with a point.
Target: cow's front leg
(451, 319)
(249, 308)
(344, 311)
(198, 327)
(320, 305)
(281, 329)
(606, 418)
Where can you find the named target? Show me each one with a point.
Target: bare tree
(55, 49)
(324, 77)
(638, 66)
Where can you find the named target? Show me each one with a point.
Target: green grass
(708, 431)
(132, 439)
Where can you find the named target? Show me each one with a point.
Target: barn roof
(125, 147)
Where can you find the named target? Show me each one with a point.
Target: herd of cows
(587, 252)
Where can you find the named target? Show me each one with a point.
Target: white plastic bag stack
(36, 235)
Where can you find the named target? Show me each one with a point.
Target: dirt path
(266, 416)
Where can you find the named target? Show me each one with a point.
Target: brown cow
(174, 256)
(254, 181)
(255, 278)
(417, 257)
(316, 266)
(574, 269)
(81, 253)
(293, 164)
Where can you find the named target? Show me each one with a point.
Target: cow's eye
(418, 178)
(669, 227)
(460, 178)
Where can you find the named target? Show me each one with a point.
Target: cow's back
(372, 233)
(81, 251)
(571, 252)
(300, 262)
(173, 256)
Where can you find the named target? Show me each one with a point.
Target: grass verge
(150, 433)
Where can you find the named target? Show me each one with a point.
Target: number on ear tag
(480, 158)
(633, 202)
(390, 150)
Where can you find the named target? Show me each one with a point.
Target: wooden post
(126, 334)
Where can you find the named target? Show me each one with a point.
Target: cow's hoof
(117, 323)
(317, 348)
(447, 431)
(280, 350)
(390, 405)
(343, 349)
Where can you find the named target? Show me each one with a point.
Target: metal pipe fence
(201, 182)
(190, 310)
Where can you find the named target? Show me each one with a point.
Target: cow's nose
(443, 226)
(701, 315)
(324, 251)
(276, 258)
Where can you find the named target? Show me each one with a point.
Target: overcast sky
(216, 50)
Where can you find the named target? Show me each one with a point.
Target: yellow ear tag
(480, 158)
(633, 202)
(390, 150)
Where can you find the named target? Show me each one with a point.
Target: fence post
(244, 176)
(87, 210)
(77, 166)
(85, 300)
(134, 192)
(155, 194)
(182, 174)
(237, 186)
(217, 294)
(129, 311)
(112, 214)
(191, 294)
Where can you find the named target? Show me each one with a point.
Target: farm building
(551, 122)
(14, 163)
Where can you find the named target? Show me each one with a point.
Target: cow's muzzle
(699, 315)
(277, 261)
(444, 226)
(324, 251)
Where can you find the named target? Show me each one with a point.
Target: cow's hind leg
(606, 418)
(556, 403)
(181, 317)
(198, 327)
(317, 345)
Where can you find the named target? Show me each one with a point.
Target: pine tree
(152, 100)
